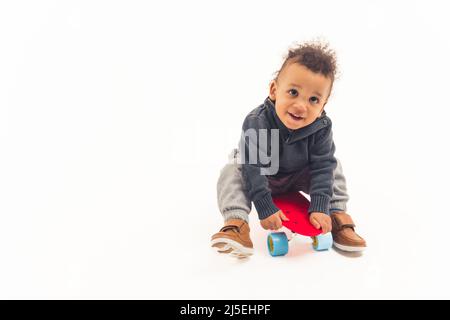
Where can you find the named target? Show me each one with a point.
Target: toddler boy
(292, 126)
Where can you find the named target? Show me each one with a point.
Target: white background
(117, 116)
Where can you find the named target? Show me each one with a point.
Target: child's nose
(300, 108)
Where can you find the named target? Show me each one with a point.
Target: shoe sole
(348, 248)
(231, 247)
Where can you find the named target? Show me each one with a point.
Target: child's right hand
(274, 221)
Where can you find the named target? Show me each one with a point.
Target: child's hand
(274, 221)
(321, 220)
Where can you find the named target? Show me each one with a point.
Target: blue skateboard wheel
(322, 241)
(278, 244)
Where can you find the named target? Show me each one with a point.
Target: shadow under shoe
(344, 236)
(234, 239)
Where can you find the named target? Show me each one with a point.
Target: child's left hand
(321, 220)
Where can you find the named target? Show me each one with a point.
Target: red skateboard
(295, 206)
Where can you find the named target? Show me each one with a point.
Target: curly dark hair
(314, 55)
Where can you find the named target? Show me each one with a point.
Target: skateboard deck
(295, 206)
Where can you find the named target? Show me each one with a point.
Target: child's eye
(314, 100)
(293, 92)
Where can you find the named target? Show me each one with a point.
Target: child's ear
(273, 90)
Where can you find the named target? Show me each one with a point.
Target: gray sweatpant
(233, 199)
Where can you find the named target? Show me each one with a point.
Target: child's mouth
(296, 118)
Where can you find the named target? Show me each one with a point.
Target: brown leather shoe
(233, 238)
(344, 235)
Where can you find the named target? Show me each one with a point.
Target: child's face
(299, 95)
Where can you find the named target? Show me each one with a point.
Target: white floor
(118, 245)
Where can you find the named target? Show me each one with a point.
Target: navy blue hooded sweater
(310, 147)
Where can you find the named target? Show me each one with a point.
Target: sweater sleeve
(256, 182)
(322, 164)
